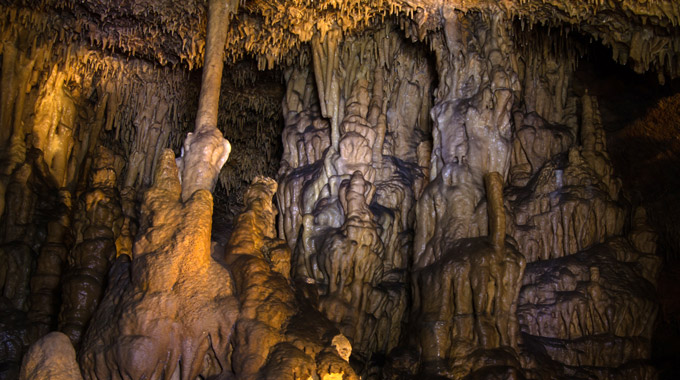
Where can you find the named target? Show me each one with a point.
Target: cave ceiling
(275, 33)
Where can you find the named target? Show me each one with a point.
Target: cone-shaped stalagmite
(172, 308)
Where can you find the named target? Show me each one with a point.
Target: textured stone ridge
(52, 357)
(172, 302)
(276, 336)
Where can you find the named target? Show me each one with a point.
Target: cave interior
(329, 189)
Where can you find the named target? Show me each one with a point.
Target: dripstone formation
(452, 199)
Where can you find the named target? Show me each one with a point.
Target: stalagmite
(273, 323)
(46, 281)
(51, 358)
(472, 130)
(472, 312)
(163, 312)
(98, 224)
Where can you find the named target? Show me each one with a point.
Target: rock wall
(355, 152)
(472, 135)
(504, 109)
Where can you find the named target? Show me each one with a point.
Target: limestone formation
(465, 301)
(275, 336)
(170, 303)
(98, 226)
(205, 150)
(52, 357)
(46, 280)
(18, 258)
(472, 131)
(350, 175)
(464, 190)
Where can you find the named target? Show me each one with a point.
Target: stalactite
(205, 150)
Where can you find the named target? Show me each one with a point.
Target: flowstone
(354, 159)
(164, 306)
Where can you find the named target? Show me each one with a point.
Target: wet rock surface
(446, 205)
(51, 357)
(163, 305)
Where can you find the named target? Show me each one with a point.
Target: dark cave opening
(642, 121)
(251, 118)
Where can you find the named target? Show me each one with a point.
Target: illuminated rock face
(169, 303)
(98, 223)
(446, 203)
(275, 335)
(354, 160)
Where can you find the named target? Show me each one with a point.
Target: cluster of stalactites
(277, 33)
(169, 34)
(251, 119)
(642, 34)
(80, 97)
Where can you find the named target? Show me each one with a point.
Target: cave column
(205, 150)
(465, 285)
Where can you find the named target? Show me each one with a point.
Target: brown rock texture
(276, 337)
(172, 303)
(591, 295)
(17, 258)
(52, 357)
(98, 225)
(353, 165)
